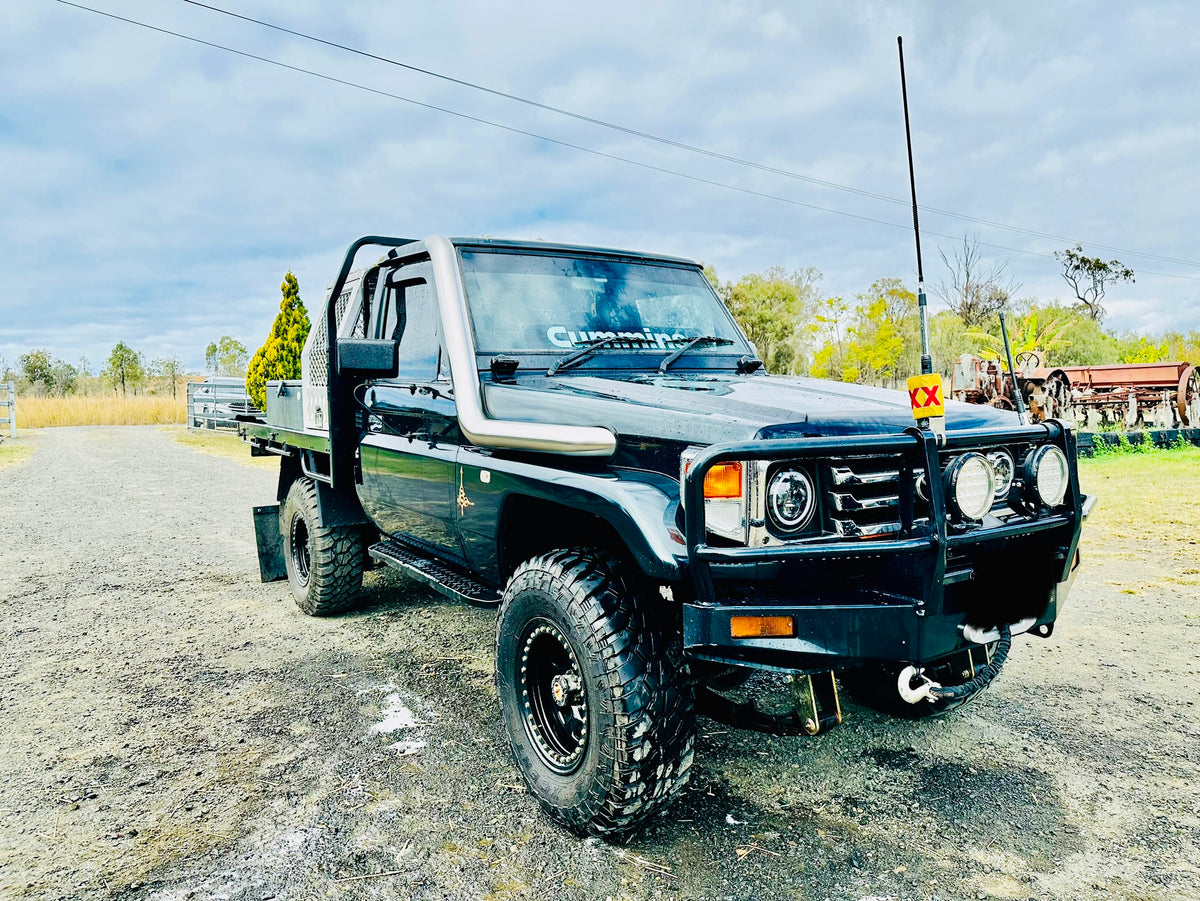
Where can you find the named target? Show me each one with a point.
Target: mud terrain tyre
(324, 563)
(594, 691)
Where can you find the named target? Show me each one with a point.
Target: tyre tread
(336, 558)
(648, 679)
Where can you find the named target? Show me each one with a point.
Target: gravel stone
(175, 729)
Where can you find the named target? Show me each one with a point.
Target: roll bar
(476, 425)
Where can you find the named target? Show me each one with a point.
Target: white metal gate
(8, 401)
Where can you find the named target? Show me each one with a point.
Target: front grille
(865, 495)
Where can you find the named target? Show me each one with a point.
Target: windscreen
(525, 303)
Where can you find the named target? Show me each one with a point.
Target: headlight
(1049, 474)
(1006, 470)
(971, 486)
(791, 499)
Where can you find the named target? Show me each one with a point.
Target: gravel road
(174, 729)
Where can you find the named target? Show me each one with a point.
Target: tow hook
(931, 691)
(923, 692)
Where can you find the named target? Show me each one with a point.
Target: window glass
(537, 302)
(408, 314)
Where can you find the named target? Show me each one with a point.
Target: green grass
(1125, 446)
(220, 444)
(13, 452)
(1149, 508)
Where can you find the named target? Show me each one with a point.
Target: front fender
(639, 506)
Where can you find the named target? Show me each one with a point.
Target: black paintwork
(902, 598)
(708, 406)
(853, 600)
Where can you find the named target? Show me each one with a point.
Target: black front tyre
(324, 563)
(594, 691)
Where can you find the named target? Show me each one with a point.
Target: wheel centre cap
(564, 688)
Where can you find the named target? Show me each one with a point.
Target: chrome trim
(844, 475)
(849, 528)
(846, 503)
(1089, 502)
(477, 427)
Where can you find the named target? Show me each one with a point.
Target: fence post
(11, 403)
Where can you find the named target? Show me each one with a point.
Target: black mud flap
(271, 566)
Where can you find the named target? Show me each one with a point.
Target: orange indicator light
(762, 627)
(723, 481)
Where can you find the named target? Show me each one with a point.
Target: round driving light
(791, 499)
(1006, 470)
(1051, 474)
(971, 486)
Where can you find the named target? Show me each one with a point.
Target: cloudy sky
(154, 190)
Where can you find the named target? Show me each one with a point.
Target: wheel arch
(531, 523)
(336, 507)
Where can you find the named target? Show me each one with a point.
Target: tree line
(873, 338)
(125, 372)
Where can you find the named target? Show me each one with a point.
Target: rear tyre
(594, 692)
(324, 563)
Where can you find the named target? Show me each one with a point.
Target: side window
(408, 314)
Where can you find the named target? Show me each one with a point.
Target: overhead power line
(519, 131)
(680, 145)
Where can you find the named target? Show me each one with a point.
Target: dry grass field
(44, 412)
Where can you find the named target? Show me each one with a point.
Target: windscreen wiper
(568, 362)
(703, 340)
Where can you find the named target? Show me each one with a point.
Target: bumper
(906, 598)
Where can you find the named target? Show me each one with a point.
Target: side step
(441, 577)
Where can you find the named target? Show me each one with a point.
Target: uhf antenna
(922, 309)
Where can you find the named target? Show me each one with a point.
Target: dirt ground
(173, 729)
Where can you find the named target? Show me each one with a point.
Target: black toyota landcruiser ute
(584, 439)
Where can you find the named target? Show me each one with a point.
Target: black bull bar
(902, 598)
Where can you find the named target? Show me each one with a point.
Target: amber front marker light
(723, 481)
(762, 627)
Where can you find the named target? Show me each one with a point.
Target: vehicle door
(410, 444)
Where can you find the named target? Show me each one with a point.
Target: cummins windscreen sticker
(561, 336)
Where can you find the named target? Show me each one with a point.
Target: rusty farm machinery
(1130, 396)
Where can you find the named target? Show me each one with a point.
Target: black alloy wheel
(554, 696)
(298, 548)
